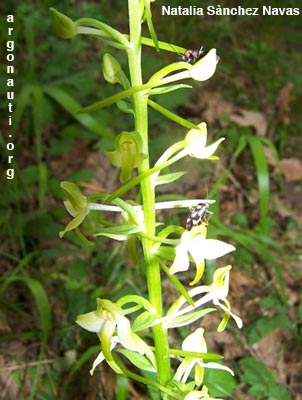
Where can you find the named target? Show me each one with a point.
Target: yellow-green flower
(127, 155)
(107, 320)
(204, 68)
(200, 395)
(216, 292)
(76, 204)
(63, 26)
(194, 243)
(197, 143)
(219, 290)
(196, 343)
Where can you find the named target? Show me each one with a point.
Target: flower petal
(200, 395)
(210, 249)
(184, 369)
(205, 68)
(128, 338)
(181, 261)
(195, 342)
(100, 358)
(197, 138)
(214, 365)
(91, 321)
(206, 152)
(228, 313)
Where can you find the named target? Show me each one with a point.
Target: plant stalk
(148, 195)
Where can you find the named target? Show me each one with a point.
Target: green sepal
(73, 224)
(76, 204)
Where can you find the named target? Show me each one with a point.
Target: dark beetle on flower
(199, 214)
(191, 56)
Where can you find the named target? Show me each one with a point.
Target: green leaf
(254, 242)
(220, 383)
(73, 108)
(22, 100)
(41, 300)
(264, 326)
(137, 359)
(122, 385)
(153, 391)
(262, 380)
(262, 173)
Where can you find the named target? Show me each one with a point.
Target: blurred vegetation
(46, 282)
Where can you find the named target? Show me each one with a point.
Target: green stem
(148, 196)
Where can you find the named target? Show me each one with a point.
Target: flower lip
(196, 143)
(199, 248)
(205, 68)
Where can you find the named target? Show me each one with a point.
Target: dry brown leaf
(269, 155)
(291, 169)
(271, 349)
(216, 107)
(282, 103)
(208, 105)
(255, 119)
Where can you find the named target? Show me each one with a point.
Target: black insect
(199, 214)
(191, 56)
